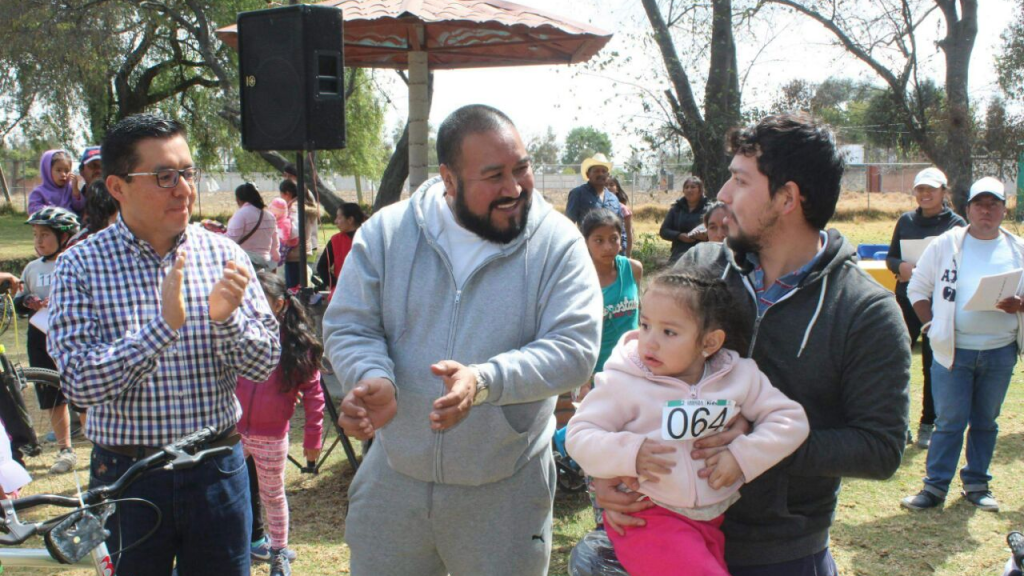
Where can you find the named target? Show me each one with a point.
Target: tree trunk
(393, 181)
(705, 131)
(3, 184)
(956, 160)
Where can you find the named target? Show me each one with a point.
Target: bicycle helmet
(60, 220)
(56, 218)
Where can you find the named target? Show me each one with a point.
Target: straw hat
(598, 159)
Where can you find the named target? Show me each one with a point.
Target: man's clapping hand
(368, 408)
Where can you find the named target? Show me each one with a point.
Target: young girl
(100, 211)
(279, 208)
(290, 193)
(666, 385)
(619, 277)
(267, 408)
(348, 219)
(714, 223)
(52, 227)
(60, 184)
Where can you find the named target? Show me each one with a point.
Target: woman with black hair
(254, 228)
(100, 211)
(349, 218)
(684, 217)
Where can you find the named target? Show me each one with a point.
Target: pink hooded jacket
(267, 411)
(625, 408)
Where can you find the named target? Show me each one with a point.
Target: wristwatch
(482, 389)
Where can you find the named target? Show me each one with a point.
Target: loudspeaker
(291, 62)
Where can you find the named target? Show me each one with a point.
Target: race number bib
(695, 418)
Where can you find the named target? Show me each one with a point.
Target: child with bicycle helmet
(52, 228)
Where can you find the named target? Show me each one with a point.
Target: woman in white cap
(931, 218)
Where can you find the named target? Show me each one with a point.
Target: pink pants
(671, 545)
(270, 456)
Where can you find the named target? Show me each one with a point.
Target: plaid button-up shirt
(144, 383)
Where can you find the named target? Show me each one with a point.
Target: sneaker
(260, 552)
(279, 564)
(1016, 543)
(924, 435)
(65, 462)
(983, 500)
(923, 500)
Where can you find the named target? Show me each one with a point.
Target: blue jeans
(970, 394)
(291, 274)
(206, 517)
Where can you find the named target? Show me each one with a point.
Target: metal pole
(300, 167)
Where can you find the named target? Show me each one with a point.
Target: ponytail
(301, 350)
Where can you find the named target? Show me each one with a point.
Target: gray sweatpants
(398, 526)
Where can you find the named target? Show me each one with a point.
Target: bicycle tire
(41, 376)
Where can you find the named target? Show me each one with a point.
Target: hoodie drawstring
(817, 311)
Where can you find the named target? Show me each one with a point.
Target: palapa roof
(456, 34)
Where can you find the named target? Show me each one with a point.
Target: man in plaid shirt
(152, 321)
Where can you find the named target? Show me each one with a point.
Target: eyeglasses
(169, 177)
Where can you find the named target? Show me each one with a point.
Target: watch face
(481, 395)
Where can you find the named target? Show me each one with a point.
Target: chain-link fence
(662, 186)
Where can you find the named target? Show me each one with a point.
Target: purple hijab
(49, 194)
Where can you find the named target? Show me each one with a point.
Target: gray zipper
(449, 347)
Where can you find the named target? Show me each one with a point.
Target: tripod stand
(339, 438)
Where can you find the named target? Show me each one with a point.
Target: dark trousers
(291, 274)
(254, 498)
(914, 327)
(206, 517)
(820, 564)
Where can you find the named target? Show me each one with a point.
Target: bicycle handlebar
(179, 455)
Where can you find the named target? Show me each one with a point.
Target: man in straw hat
(593, 194)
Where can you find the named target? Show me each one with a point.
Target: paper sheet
(994, 288)
(41, 320)
(912, 249)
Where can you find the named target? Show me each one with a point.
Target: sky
(563, 97)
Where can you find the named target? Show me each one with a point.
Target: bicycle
(14, 379)
(78, 538)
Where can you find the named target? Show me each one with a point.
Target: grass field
(871, 534)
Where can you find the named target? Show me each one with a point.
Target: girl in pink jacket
(664, 386)
(267, 408)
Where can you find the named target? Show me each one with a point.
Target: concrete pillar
(419, 111)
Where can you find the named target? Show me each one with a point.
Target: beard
(747, 243)
(483, 226)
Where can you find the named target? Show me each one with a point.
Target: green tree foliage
(80, 65)
(1010, 63)
(883, 35)
(583, 142)
(544, 150)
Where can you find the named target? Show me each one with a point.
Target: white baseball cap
(930, 177)
(988, 185)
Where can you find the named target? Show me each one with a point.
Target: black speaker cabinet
(293, 95)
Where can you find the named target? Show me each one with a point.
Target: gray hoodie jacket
(529, 317)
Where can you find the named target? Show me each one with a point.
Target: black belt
(229, 437)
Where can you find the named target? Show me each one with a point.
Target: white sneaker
(65, 462)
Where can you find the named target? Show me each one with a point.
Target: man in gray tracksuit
(459, 316)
